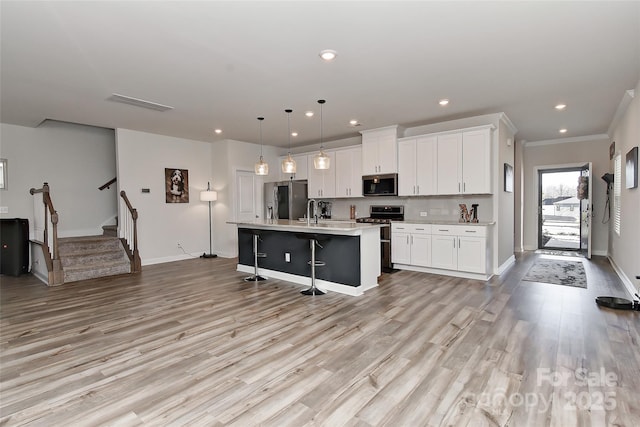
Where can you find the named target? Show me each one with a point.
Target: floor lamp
(209, 196)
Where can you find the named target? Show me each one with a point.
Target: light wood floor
(190, 343)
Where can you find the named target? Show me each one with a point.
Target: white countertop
(346, 227)
(444, 222)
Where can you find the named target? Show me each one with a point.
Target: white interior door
(585, 209)
(246, 199)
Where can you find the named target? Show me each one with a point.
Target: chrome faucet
(315, 211)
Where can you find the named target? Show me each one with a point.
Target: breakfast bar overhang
(350, 250)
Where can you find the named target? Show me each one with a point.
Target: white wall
(75, 160)
(142, 158)
(624, 250)
(228, 157)
(549, 155)
(504, 201)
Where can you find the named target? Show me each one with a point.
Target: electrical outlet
(179, 245)
(287, 257)
(423, 214)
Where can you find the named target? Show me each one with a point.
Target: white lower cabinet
(460, 247)
(445, 251)
(454, 248)
(411, 244)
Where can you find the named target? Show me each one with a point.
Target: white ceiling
(223, 64)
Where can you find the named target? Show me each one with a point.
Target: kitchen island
(350, 250)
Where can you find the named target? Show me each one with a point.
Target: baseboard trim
(304, 281)
(628, 285)
(506, 265)
(453, 273)
(181, 257)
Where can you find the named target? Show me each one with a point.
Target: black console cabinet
(14, 246)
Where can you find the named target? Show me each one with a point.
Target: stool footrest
(318, 263)
(262, 255)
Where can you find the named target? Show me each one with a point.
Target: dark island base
(338, 252)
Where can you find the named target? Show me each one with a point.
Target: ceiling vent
(139, 102)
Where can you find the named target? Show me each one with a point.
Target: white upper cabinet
(417, 166)
(322, 182)
(464, 162)
(380, 151)
(348, 166)
(301, 168)
(449, 164)
(476, 162)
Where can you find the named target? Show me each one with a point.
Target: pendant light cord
(289, 128)
(260, 119)
(321, 102)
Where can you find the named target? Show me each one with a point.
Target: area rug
(568, 273)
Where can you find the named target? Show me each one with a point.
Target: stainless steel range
(384, 214)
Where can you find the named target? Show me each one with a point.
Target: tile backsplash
(438, 208)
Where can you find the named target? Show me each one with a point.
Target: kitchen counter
(445, 222)
(325, 226)
(350, 250)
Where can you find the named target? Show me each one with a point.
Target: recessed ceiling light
(294, 133)
(563, 130)
(218, 131)
(328, 54)
(354, 122)
(309, 114)
(443, 102)
(561, 106)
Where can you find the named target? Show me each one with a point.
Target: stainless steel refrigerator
(285, 200)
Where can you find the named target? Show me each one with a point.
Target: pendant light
(288, 164)
(262, 167)
(321, 160)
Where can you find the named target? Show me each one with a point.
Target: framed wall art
(612, 150)
(631, 170)
(176, 185)
(3, 174)
(508, 178)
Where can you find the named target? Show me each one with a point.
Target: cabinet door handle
(407, 239)
(422, 229)
(439, 229)
(458, 187)
(412, 240)
(417, 189)
(464, 186)
(454, 243)
(470, 231)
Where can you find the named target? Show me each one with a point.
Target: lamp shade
(289, 165)
(262, 167)
(208, 196)
(321, 161)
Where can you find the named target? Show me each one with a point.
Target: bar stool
(256, 277)
(313, 241)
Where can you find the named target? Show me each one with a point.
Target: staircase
(80, 258)
(89, 257)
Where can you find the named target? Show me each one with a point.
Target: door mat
(556, 252)
(568, 273)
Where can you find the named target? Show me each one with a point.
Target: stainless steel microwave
(380, 185)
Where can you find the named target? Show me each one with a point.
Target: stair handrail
(108, 184)
(52, 258)
(129, 228)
